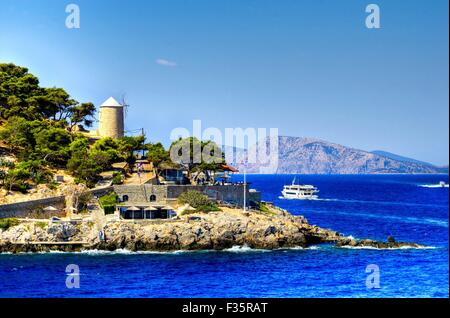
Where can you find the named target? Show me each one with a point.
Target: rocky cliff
(273, 229)
(315, 156)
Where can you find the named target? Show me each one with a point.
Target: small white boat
(442, 184)
(299, 191)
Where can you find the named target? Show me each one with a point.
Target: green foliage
(21, 96)
(196, 155)
(16, 177)
(19, 134)
(35, 125)
(52, 144)
(35, 170)
(7, 223)
(86, 163)
(157, 154)
(108, 147)
(264, 208)
(121, 149)
(117, 178)
(86, 167)
(41, 225)
(197, 200)
(109, 199)
(53, 185)
(108, 202)
(36, 140)
(127, 145)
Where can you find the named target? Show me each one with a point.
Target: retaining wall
(163, 193)
(33, 208)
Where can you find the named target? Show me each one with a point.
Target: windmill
(124, 103)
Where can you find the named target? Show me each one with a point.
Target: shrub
(117, 178)
(41, 225)
(197, 200)
(7, 223)
(108, 202)
(109, 209)
(264, 208)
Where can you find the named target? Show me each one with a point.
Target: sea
(410, 208)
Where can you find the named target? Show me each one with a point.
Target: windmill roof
(111, 102)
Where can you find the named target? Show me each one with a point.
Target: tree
(18, 134)
(86, 163)
(157, 154)
(15, 179)
(109, 147)
(196, 155)
(52, 145)
(17, 87)
(128, 145)
(83, 113)
(21, 95)
(5, 166)
(36, 140)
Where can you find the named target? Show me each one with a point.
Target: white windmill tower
(111, 119)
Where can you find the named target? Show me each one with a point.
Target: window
(125, 198)
(152, 198)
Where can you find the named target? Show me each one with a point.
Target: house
(172, 174)
(144, 211)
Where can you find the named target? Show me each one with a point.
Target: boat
(299, 191)
(442, 184)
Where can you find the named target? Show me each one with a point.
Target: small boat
(442, 184)
(299, 191)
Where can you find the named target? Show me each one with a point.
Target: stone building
(111, 119)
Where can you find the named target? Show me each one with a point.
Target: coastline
(230, 228)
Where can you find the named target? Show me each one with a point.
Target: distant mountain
(315, 156)
(393, 156)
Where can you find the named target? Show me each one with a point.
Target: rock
(62, 231)
(218, 230)
(270, 230)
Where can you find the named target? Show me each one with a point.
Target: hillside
(315, 156)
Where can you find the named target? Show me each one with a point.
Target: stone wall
(33, 208)
(142, 193)
(99, 192)
(162, 193)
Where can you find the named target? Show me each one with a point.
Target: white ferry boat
(299, 191)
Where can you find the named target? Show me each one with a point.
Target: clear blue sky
(310, 68)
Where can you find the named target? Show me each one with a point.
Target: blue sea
(408, 207)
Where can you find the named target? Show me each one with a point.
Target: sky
(309, 68)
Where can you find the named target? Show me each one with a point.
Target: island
(64, 187)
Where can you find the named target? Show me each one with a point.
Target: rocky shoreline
(272, 229)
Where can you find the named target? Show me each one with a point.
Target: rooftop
(111, 102)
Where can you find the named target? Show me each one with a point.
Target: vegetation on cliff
(198, 200)
(7, 223)
(37, 127)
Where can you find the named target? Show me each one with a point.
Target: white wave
(387, 248)
(296, 248)
(433, 186)
(122, 251)
(243, 249)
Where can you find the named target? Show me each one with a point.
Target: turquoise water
(410, 208)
